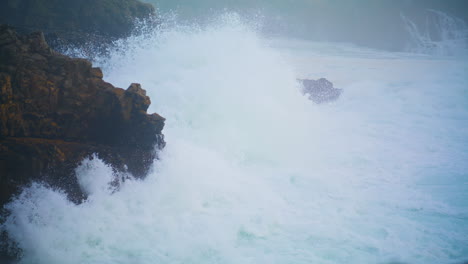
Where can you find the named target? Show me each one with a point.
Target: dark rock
(55, 111)
(320, 90)
(76, 22)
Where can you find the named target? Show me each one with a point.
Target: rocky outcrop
(56, 111)
(320, 91)
(73, 22)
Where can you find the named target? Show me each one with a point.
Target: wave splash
(423, 26)
(253, 172)
(441, 34)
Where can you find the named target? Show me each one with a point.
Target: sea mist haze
(254, 172)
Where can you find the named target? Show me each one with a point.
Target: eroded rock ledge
(55, 111)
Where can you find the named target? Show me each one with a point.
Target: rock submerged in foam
(55, 111)
(320, 91)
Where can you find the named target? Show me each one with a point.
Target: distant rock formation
(55, 111)
(320, 90)
(75, 22)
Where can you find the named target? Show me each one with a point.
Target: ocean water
(424, 26)
(254, 172)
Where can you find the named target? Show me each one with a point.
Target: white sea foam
(253, 172)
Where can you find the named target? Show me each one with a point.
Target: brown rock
(55, 111)
(96, 72)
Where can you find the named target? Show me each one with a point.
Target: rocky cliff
(56, 111)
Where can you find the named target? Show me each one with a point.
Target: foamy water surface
(254, 172)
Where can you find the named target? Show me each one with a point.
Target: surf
(254, 172)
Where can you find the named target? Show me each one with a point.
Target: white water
(442, 34)
(253, 172)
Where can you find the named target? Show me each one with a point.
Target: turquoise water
(254, 172)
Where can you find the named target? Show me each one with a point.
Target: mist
(375, 24)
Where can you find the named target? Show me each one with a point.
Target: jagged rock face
(320, 91)
(75, 21)
(55, 111)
